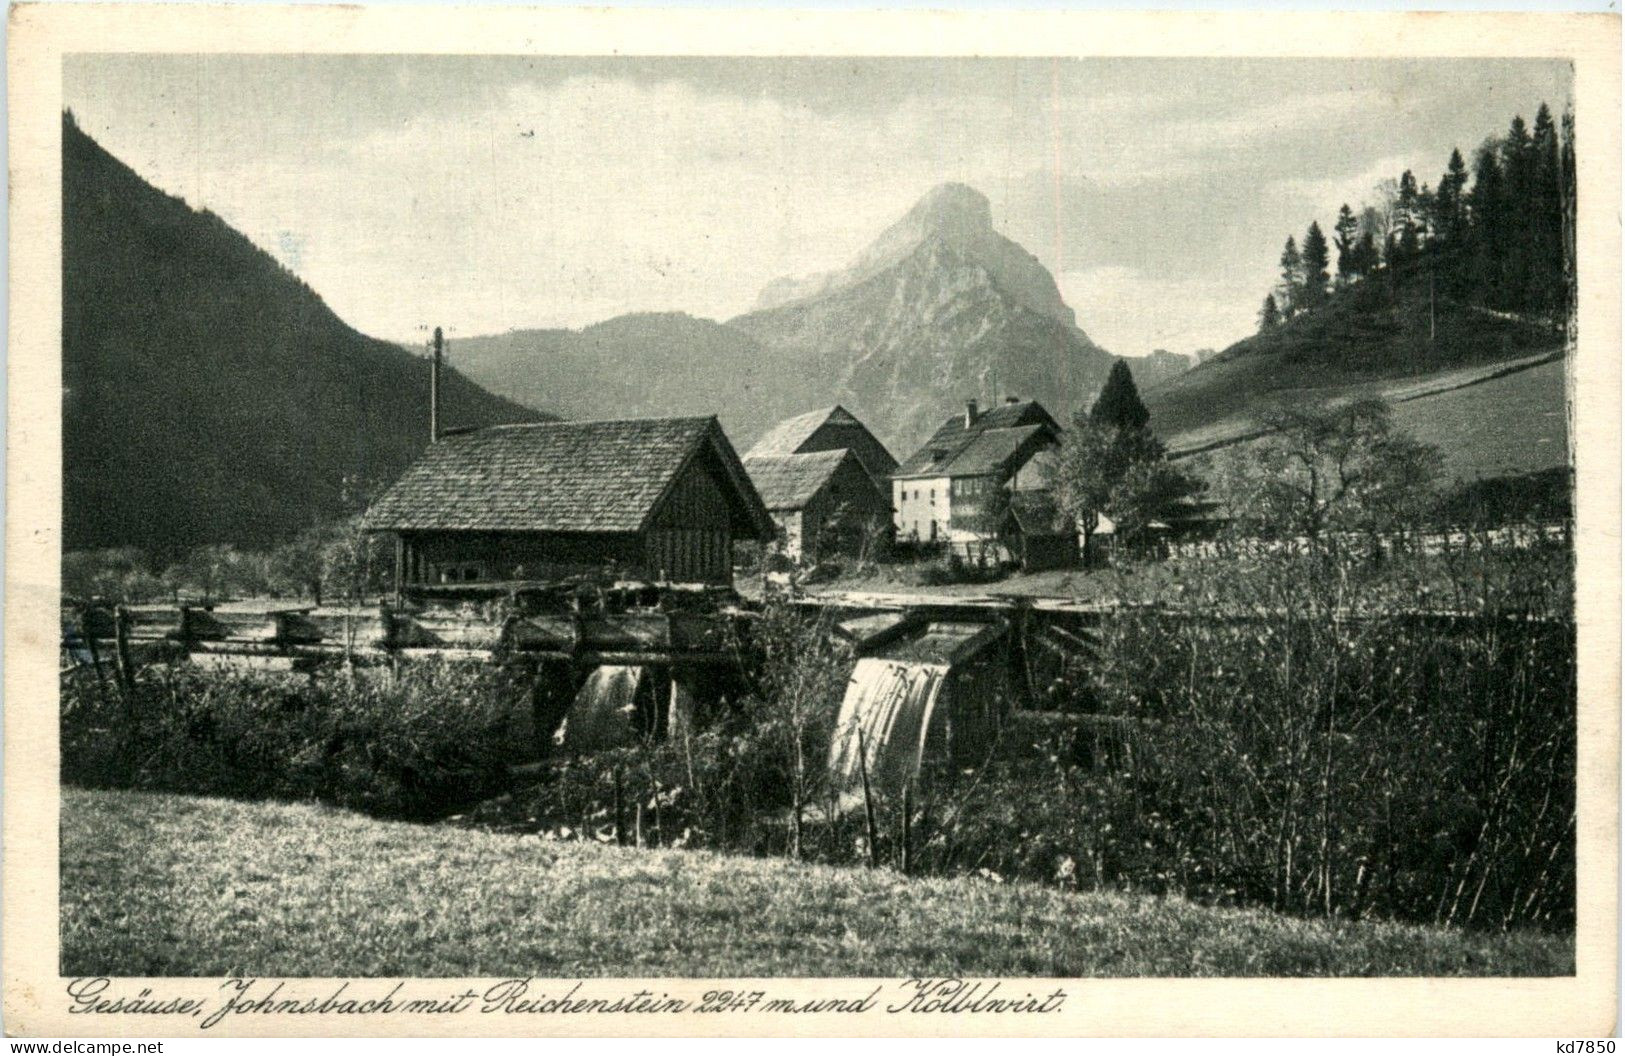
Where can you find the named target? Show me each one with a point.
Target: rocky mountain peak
(954, 211)
(955, 215)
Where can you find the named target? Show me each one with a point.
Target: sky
(486, 194)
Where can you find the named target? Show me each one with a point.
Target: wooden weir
(629, 624)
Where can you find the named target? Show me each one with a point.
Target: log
(629, 631)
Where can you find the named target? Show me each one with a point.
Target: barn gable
(827, 429)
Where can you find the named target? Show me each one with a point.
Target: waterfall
(892, 702)
(605, 712)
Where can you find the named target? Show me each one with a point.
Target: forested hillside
(1436, 286)
(209, 395)
(1504, 244)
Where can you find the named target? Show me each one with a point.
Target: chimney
(434, 389)
(970, 413)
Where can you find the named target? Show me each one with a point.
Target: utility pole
(434, 388)
(1431, 341)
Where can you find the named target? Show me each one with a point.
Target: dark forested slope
(208, 394)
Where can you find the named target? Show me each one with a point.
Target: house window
(460, 573)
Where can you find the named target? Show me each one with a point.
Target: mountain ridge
(938, 309)
(209, 395)
(906, 343)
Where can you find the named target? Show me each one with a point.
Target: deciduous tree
(1328, 468)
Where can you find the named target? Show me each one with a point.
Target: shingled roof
(787, 437)
(941, 455)
(605, 476)
(789, 482)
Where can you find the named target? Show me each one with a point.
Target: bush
(754, 780)
(951, 569)
(406, 745)
(1315, 731)
(121, 575)
(1332, 755)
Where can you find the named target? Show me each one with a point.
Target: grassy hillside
(209, 394)
(267, 889)
(1506, 425)
(1377, 337)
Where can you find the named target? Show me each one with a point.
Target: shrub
(1320, 748)
(952, 569)
(121, 575)
(752, 780)
(410, 744)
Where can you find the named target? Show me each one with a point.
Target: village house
(824, 502)
(828, 429)
(661, 499)
(938, 494)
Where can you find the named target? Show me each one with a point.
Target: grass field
(1504, 426)
(168, 885)
(1490, 420)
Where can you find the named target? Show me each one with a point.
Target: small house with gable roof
(661, 499)
(823, 502)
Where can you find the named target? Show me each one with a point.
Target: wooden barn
(828, 429)
(1036, 535)
(823, 502)
(661, 499)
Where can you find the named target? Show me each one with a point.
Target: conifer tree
(1448, 205)
(1408, 209)
(1118, 404)
(1291, 298)
(1269, 316)
(1546, 219)
(1344, 239)
(1366, 256)
(1567, 190)
(1488, 228)
(1315, 261)
(1517, 214)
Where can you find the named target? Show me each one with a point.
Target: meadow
(220, 887)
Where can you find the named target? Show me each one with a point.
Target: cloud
(1357, 189)
(486, 193)
(1130, 312)
(593, 196)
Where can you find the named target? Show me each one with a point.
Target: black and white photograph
(966, 522)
